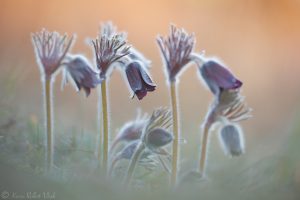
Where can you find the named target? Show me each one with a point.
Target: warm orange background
(258, 40)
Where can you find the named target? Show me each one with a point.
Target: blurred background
(258, 39)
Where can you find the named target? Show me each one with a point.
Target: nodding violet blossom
(136, 68)
(138, 79)
(228, 105)
(154, 137)
(227, 108)
(111, 48)
(50, 48)
(78, 69)
(218, 77)
(176, 50)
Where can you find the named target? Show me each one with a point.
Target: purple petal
(139, 80)
(82, 74)
(133, 76)
(218, 77)
(141, 94)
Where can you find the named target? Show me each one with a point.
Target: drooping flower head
(226, 89)
(139, 80)
(176, 49)
(218, 77)
(50, 49)
(78, 69)
(228, 107)
(136, 66)
(109, 47)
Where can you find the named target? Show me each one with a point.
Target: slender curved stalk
(136, 156)
(48, 102)
(204, 148)
(175, 132)
(105, 124)
(99, 147)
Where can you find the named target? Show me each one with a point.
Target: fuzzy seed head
(176, 49)
(109, 47)
(50, 49)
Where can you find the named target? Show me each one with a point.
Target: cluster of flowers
(110, 48)
(147, 136)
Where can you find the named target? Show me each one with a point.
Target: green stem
(132, 164)
(99, 156)
(105, 124)
(204, 149)
(175, 132)
(48, 94)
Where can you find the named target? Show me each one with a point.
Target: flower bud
(130, 132)
(218, 77)
(128, 151)
(232, 139)
(157, 138)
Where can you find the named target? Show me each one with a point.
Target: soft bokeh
(258, 39)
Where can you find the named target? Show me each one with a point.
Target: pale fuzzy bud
(131, 131)
(232, 139)
(157, 138)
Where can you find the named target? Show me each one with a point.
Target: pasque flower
(109, 47)
(218, 78)
(130, 132)
(126, 153)
(136, 66)
(50, 49)
(154, 137)
(176, 50)
(228, 107)
(78, 69)
(138, 79)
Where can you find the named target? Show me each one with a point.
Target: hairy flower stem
(105, 124)
(204, 148)
(48, 102)
(99, 147)
(136, 156)
(175, 132)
